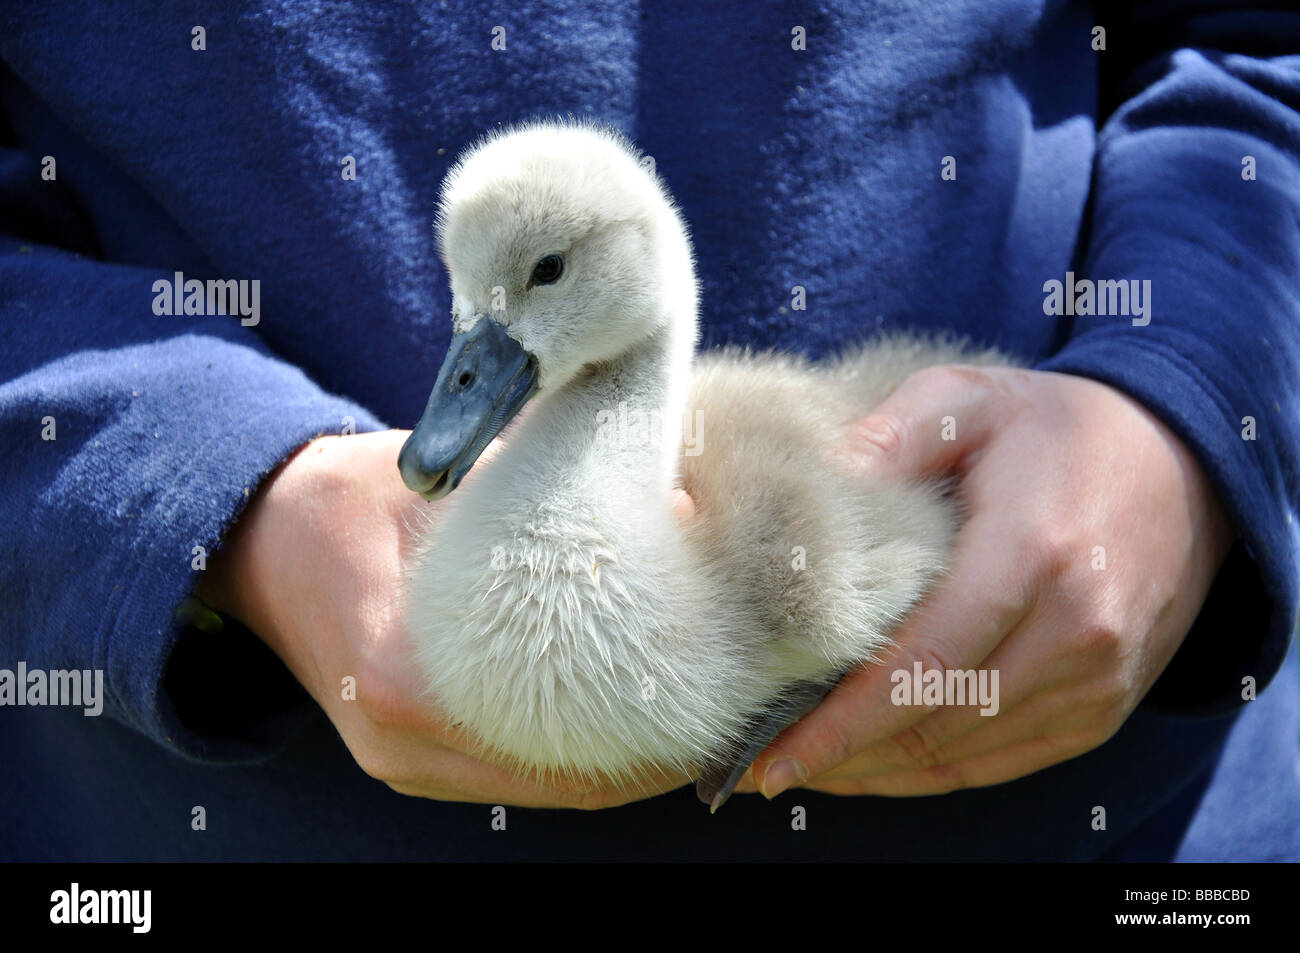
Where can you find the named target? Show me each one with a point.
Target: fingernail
(782, 775)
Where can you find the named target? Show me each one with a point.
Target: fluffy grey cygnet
(561, 611)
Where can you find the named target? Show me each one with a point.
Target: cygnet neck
(626, 413)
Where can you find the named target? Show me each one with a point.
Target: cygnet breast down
(560, 609)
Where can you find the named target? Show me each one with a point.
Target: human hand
(1091, 542)
(315, 566)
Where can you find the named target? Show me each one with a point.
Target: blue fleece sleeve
(130, 439)
(1197, 190)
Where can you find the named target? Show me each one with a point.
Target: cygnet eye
(548, 270)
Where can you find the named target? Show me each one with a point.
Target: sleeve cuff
(220, 697)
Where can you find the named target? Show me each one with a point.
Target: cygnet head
(564, 251)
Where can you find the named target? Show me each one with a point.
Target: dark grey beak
(485, 379)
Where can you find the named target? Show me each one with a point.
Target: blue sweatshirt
(924, 164)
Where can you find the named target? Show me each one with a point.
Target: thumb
(935, 418)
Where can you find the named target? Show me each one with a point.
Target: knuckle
(838, 744)
(881, 433)
(1100, 638)
(947, 778)
(1095, 711)
(1053, 551)
(948, 378)
(916, 747)
(376, 764)
(1105, 716)
(1097, 735)
(379, 699)
(938, 376)
(402, 789)
(934, 655)
(375, 755)
(1116, 702)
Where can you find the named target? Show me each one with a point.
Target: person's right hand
(315, 566)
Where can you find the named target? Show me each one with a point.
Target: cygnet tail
(723, 772)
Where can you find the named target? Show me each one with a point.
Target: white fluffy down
(560, 610)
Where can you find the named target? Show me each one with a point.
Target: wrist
(1211, 523)
(234, 582)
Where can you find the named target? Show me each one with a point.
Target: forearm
(1217, 355)
(135, 439)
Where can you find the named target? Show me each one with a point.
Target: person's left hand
(1091, 541)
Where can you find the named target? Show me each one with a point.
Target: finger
(444, 774)
(913, 751)
(958, 627)
(1031, 666)
(998, 767)
(930, 424)
(1077, 711)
